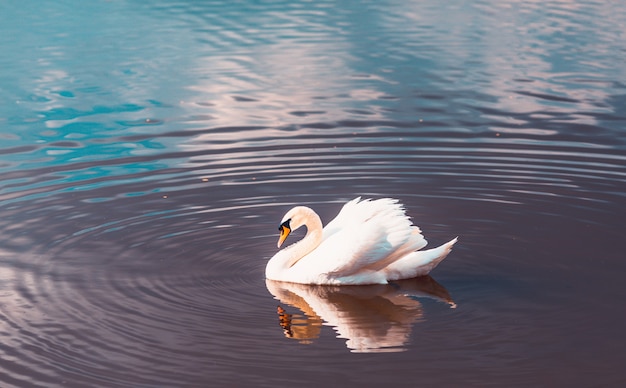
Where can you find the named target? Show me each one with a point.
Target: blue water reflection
(147, 150)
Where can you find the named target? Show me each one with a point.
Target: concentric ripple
(157, 267)
(146, 158)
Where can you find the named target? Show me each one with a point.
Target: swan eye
(285, 229)
(284, 225)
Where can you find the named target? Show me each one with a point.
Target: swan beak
(284, 232)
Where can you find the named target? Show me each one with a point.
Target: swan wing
(366, 236)
(346, 216)
(418, 263)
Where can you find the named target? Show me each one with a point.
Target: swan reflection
(376, 318)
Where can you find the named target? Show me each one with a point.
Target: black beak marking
(284, 225)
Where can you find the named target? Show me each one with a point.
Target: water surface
(148, 152)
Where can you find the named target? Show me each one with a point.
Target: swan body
(369, 242)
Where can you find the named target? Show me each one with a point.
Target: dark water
(149, 149)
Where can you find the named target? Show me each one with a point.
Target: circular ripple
(137, 289)
(139, 204)
(159, 265)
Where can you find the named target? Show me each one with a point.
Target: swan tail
(419, 263)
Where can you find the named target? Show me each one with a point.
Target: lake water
(148, 151)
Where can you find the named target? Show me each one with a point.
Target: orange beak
(284, 232)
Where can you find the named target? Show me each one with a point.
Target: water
(149, 150)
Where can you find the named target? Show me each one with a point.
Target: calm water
(148, 151)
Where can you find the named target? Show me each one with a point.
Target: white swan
(369, 242)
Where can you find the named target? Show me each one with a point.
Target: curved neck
(312, 240)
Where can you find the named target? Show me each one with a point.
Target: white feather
(369, 242)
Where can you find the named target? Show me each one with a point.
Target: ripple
(157, 261)
(76, 293)
(142, 179)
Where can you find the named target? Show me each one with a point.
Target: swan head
(294, 219)
(284, 228)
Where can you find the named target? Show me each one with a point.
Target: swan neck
(311, 240)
